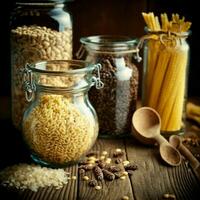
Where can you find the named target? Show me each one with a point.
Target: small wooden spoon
(146, 128)
(176, 142)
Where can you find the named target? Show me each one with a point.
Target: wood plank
(154, 178)
(111, 190)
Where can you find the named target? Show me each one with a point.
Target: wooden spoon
(146, 128)
(176, 142)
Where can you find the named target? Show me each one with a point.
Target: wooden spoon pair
(146, 125)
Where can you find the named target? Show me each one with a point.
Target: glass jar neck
(48, 14)
(109, 44)
(61, 91)
(29, 2)
(60, 76)
(39, 5)
(175, 38)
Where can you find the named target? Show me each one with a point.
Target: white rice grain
(24, 176)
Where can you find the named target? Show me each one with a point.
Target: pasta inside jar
(60, 125)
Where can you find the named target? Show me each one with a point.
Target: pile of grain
(30, 44)
(24, 176)
(56, 131)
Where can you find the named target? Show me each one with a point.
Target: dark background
(119, 17)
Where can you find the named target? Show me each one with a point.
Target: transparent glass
(165, 74)
(60, 125)
(40, 30)
(116, 102)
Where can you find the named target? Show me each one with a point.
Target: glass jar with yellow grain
(59, 125)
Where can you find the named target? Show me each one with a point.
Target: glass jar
(40, 30)
(59, 125)
(166, 58)
(116, 102)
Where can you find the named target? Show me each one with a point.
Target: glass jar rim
(58, 3)
(43, 1)
(109, 44)
(83, 67)
(109, 40)
(182, 34)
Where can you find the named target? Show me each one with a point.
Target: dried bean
(108, 175)
(114, 169)
(130, 167)
(86, 167)
(98, 173)
(101, 164)
(81, 172)
(92, 183)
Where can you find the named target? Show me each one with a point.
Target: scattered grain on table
(98, 187)
(73, 178)
(169, 196)
(24, 176)
(104, 153)
(118, 150)
(126, 162)
(125, 198)
(85, 178)
(123, 177)
(106, 169)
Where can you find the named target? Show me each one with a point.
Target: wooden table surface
(151, 180)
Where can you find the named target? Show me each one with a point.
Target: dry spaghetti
(167, 60)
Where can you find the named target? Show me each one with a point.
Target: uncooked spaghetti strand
(169, 92)
(159, 74)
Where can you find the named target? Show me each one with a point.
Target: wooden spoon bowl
(145, 121)
(146, 125)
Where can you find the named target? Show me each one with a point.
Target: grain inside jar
(39, 31)
(116, 102)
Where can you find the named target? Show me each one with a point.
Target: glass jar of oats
(116, 102)
(60, 125)
(40, 30)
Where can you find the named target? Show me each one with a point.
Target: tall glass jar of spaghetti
(165, 74)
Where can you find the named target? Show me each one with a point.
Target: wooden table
(151, 180)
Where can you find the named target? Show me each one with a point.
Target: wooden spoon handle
(189, 156)
(160, 139)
